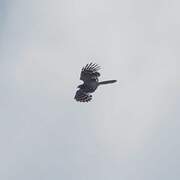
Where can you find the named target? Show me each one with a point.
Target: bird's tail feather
(107, 82)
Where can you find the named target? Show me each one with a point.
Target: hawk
(89, 75)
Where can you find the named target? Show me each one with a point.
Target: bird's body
(89, 74)
(89, 87)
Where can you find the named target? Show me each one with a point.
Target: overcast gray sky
(130, 130)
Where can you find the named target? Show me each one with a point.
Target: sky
(130, 130)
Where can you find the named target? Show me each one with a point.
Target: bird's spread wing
(82, 96)
(90, 72)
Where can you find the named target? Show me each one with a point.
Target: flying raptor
(89, 75)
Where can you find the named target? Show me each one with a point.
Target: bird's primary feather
(82, 96)
(89, 72)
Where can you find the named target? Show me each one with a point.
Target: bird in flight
(89, 75)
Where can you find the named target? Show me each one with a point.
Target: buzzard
(89, 75)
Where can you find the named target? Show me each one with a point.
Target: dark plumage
(89, 75)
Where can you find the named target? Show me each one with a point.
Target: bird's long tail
(107, 82)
